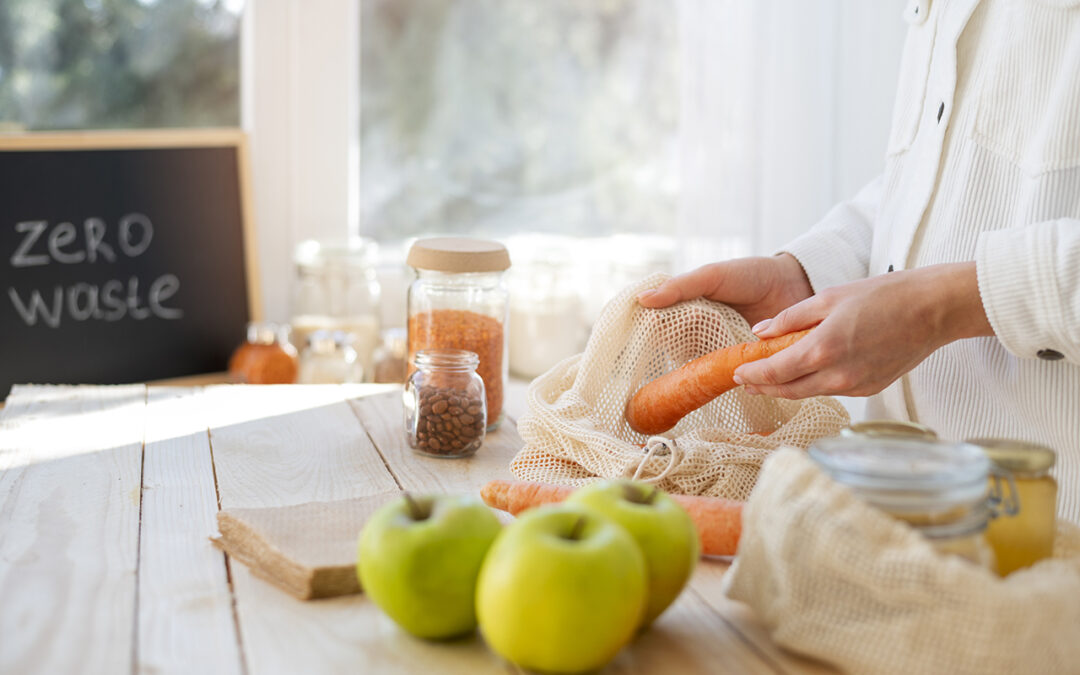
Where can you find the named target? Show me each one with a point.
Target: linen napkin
(307, 550)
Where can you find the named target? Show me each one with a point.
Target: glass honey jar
(1027, 536)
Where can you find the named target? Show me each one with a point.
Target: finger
(693, 284)
(780, 368)
(801, 315)
(814, 384)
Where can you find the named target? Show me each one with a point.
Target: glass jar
(459, 301)
(391, 358)
(889, 429)
(266, 357)
(336, 289)
(1026, 536)
(329, 358)
(940, 489)
(546, 311)
(445, 403)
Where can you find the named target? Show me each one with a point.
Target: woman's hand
(869, 332)
(757, 288)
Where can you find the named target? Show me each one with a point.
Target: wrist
(957, 302)
(793, 276)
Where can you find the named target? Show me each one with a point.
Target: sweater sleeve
(1029, 281)
(837, 249)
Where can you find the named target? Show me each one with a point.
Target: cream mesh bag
(574, 429)
(838, 580)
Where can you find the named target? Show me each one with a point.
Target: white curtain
(786, 105)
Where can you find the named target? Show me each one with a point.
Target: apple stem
(633, 493)
(416, 511)
(575, 532)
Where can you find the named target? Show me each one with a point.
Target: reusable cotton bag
(834, 578)
(575, 430)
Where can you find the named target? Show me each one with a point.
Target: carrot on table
(660, 404)
(718, 521)
(515, 496)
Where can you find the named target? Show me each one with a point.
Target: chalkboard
(125, 256)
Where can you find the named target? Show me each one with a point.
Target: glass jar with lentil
(459, 300)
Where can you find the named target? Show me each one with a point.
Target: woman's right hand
(757, 288)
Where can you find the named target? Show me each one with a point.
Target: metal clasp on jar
(1002, 504)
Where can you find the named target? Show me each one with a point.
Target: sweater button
(1049, 355)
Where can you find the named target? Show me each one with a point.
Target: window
(495, 118)
(72, 64)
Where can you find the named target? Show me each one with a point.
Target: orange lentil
(461, 329)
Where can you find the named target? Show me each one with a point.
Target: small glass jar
(445, 404)
(329, 358)
(889, 429)
(391, 358)
(1026, 536)
(459, 301)
(336, 289)
(266, 357)
(940, 489)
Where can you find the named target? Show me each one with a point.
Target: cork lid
(458, 254)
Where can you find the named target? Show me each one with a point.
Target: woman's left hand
(869, 332)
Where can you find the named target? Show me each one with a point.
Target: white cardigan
(983, 164)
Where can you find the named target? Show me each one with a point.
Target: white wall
(786, 110)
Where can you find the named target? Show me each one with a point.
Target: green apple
(660, 526)
(418, 559)
(561, 591)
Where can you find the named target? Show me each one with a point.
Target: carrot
(660, 404)
(718, 521)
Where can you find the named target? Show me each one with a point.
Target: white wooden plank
(69, 505)
(275, 446)
(185, 617)
(382, 418)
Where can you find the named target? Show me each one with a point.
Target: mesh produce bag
(575, 429)
(838, 580)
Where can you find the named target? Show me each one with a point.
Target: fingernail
(750, 389)
(738, 379)
(760, 326)
(645, 294)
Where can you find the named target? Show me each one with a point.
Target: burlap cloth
(307, 550)
(575, 428)
(840, 581)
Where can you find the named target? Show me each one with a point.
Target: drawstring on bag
(659, 446)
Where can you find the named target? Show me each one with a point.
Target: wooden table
(108, 496)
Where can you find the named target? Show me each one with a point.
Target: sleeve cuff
(1020, 282)
(827, 259)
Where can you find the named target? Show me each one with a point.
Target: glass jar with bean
(445, 404)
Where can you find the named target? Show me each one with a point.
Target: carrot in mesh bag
(718, 520)
(660, 404)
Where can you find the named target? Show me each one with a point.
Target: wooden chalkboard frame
(149, 139)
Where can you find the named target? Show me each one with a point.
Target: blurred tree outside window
(492, 117)
(81, 64)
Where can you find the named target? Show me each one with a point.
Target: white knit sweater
(983, 164)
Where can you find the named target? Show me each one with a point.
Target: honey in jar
(1027, 535)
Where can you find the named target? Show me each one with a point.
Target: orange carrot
(660, 404)
(718, 521)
